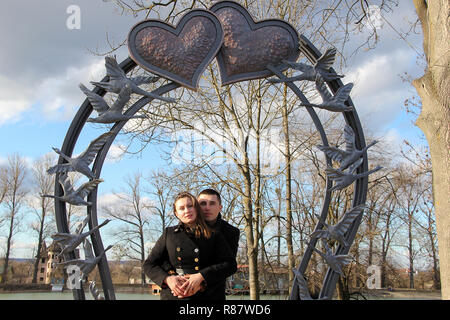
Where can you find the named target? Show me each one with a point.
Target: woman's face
(185, 210)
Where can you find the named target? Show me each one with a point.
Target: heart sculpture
(249, 47)
(180, 54)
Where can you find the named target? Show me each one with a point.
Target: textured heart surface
(249, 47)
(181, 53)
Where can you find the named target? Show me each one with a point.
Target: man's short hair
(211, 192)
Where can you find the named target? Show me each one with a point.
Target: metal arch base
(360, 191)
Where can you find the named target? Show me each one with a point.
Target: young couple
(193, 259)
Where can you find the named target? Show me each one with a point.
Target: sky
(43, 59)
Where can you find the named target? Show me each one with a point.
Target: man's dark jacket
(231, 235)
(212, 257)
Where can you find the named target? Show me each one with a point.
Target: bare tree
(162, 190)
(14, 177)
(43, 183)
(433, 88)
(132, 211)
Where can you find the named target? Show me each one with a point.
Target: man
(211, 204)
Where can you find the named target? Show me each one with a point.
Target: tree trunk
(41, 232)
(434, 119)
(252, 247)
(410, 253)
(287, 157)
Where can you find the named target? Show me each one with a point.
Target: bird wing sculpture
(346, 221)
(76, 197)
(118, 79)
(337, 154)
(338, 231)
(303, 290)
(334, 103)
(348, 156)
(64, 181)
(81, 226)
(81, 163)
(322, 66)
(344, 179)
(94, 147)
(326, 61)
(336, 262)
(87, 187)
(69, 242)
(88, 253)
(94, 291)
(98, 103)
(116, 74)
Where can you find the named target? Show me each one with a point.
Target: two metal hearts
(227, 31)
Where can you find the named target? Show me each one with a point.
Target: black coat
(231, 235)
(212, 257)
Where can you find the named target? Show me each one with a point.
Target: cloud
(378, 91)
(115, 153)
(43, 63)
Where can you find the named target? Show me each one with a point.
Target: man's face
(210, 206)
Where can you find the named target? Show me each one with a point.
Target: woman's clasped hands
(185, 286)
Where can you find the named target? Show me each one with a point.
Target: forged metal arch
(80, 119)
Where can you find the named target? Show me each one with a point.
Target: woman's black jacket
(211, 257)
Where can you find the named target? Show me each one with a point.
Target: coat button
(196, 250)
(178, 249)
(196, 268)
(179, 258)
(196, 259)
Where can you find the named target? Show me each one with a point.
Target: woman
(199, 258)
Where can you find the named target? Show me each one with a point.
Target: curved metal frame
(360, 190)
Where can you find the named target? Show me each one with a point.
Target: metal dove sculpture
(72, 196)
(69, 242)
(94, 291)
(81, 163)
(336, 262)
(337, 231)
(344, 179)
(86, 266)
(118, 80)
(107, 114)
(303, 290)
(322, 66)
(334, 103)
(350, 154)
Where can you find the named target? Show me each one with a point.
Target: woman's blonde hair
(200, 228)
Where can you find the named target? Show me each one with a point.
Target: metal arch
(360, 190)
